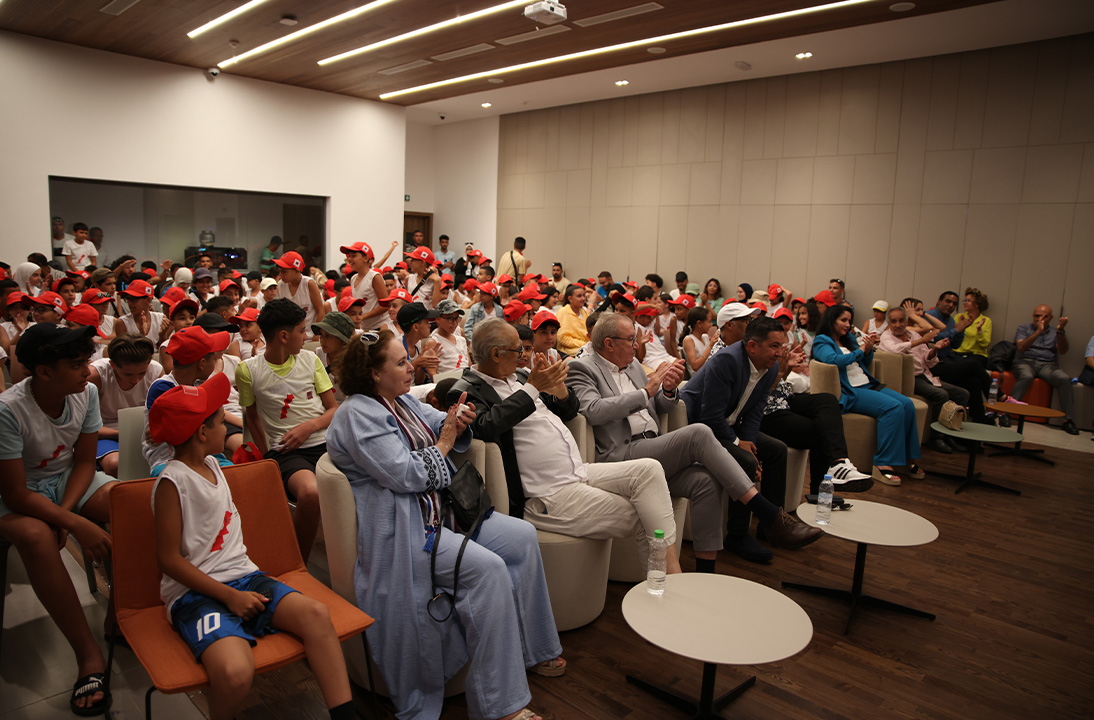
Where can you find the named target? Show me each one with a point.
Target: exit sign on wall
(406, 198)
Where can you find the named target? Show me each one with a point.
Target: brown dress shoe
(789, 532)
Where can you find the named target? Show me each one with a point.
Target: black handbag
(468, 502)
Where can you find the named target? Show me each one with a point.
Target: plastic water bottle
(824, 501)
(993, 394)
(655, 576)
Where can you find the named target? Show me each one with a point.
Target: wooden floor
(1009, 578)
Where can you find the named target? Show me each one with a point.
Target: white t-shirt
(453, 353)
(285, 402)
(45, 444)
(81, 252)
(112, 398)
(856, 377)
(154, 326)
(212, 535)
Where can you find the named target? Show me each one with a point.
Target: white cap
(267, 283)
(184, 275)
(882, 306)
(734, 310)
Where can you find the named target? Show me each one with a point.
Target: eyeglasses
(454, 316)
(519, 351)
(632, 340)
(369, 338)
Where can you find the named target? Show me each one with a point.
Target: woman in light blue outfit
(394, 451)
(897, 435)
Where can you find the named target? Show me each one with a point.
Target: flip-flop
(554, 667)
(524, 714)
(87, 686)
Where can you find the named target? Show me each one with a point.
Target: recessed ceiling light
(496, 81)
(621, 83)
(902, 6)
(224, 18)
(349, 14)
(423, 30)
(655, 50)
(627, 45)
(289, 21)
(486, 105)
(804, 55)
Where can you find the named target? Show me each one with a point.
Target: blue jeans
(897, 435)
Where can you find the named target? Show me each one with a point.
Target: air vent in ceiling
(619, 14)
(481, 47)
(404, 67)
(117, 7)
(533, 35)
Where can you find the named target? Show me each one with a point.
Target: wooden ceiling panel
(156, 29)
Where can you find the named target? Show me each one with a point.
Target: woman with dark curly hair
(712, 295)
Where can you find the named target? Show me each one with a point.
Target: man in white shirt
(549, 484)
(558, 279)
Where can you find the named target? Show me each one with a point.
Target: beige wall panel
(875, 179)
(794, 181)
(828, 229)
(755, 108)
(703, 242)
(715, 125)
(1078, 120)
(1049, 91)
(617, 111)
(693, 125)
(675, 184)
(578, 188)
(733, 131)
(938, 257)
(510, 191)
(831, 96)
(533, 190)
(988, 257)
(647, 186)
(620, 186)
(569, 128)
(598, 191)
(520, 143)
(1086, 177)
(609, 229)
(1041, 249)
(510, 224)
(868, 255)
(754, 235)
(602, 134)
(536, 226)
(758, 182)
(552, 139)
(507, 145)
(1010, 95)
(537, 141)
(890, 90)
(900, 276)
(945, 81)
(947, 175)
(789, 249)
(1079, 294)
(631, 109)
(672, 235)
(585, 136)
(575, 247)
(650, 122)
(997, 175)
(913, 131)
(833, 180)
(547, 245)
(670, 135)
(775, 117)
(730, 187)
(554, 189)
(858, 110)
(642, 243)
(972, 94)
(802, 115)
(706, 179)
(1052, 174)
(725, 253)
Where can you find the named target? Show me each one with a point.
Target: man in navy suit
(728, 395)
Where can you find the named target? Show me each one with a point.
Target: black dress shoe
(748, 548)
(939, 444)
(789, 532)
(1070, 427)
(1004, 421)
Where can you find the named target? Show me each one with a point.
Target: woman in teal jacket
(897, 436)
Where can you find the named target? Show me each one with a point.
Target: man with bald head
(1039, 346)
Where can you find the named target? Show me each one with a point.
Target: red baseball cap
(762, 307)
(397, 293)
(85, 315)
(798, 300)
(52, 300)
(172, 294)
(245, 315)
(183, 303)
(92, 296)
(175, 416)
(78, 274)
(783, 312)
(424, 254)
(645, 309)
(485, 260)
(17, 296)
(531, 293)
(514, 309)
(290, 261)
(631, 284)
(502, 279)
(544, 316)
(357, 247)
(191, 344)
(150, 272)
(489, 287)
(349, 301)
(616, 296)
(328, 287)
(470, 284)
(684, 301)
(825, 297)
(532, 276)
(139, 289)
(236, 274)
(402, 265)
(773, 289)
(225, 284)
(65, 279)
(475, 253)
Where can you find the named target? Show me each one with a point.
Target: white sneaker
(847, 478)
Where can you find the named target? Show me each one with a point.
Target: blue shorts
(202, 621)
(104, 448)
(53, 489)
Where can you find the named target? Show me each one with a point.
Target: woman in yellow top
(977, 335)
(572, 334)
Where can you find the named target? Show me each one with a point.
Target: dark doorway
(415, 221)
(306, 225)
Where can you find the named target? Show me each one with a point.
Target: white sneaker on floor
(847, 478)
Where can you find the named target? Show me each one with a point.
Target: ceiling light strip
(225, 18)
(423, 30)
(624, 46)
(348, 15)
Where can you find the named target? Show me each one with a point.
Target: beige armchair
(860, 431)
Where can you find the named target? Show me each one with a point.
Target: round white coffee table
(869, 523)
(700, 617)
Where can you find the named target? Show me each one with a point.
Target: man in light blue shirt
(444, 256)
(1039, 346)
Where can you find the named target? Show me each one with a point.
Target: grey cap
(447, 307)
(203, 272)
(337, 324)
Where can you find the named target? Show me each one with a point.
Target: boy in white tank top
(301, 289)
(288, 402)
(49, 487)
(367, 284)
(123, 380)
(215, 596)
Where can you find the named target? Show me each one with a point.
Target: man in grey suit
(622, 404)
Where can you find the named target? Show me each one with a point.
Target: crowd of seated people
(389, 369)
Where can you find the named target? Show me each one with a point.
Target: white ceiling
(1003, 23)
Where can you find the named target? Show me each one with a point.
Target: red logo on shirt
(218, 544)
(56, 453)
(285, 409)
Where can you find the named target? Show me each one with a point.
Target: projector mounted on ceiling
(546, 13)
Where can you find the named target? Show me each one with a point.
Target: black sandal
(85, 687)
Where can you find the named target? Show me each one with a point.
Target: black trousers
(772, 453)
(813, 423)
(968, 372)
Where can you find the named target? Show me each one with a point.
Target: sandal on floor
(525, 714)
(915, 472)
(887, 478)
(85, 687)
(551, 668)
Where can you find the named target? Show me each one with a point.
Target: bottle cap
(827, 477)
(659, 534)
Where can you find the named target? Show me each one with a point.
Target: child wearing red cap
(49, 307)
(85, 316)
(300, 288)
(66, 288)
(141, 320)
(424, 282)
(288, 402)
(250, 336)
(215, 596)
(545, 327)
(367, 284)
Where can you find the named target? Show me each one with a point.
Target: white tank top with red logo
(362, 288)
(301, 297)
(47, 443)
(285, 402)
